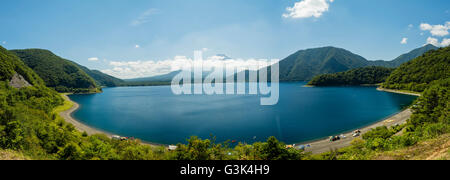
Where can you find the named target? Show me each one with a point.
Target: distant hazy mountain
(102, 79)
(224, 56)
(306, 64)
(161, 78)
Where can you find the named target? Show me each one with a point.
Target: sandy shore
(324, 145)
(398, 92)
(67, 115)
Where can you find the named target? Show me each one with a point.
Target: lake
(155, 114)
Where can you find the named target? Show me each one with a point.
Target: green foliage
(60, 74)
(360, 76)
(198, 149)
(102, 79)
(418, 74)
(304, 65)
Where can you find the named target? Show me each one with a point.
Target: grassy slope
(433, 149)
(12, 155)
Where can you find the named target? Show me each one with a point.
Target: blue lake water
(155, 114)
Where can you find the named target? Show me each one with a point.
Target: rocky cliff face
(18, 81)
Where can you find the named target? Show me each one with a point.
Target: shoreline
(317, 146)
(323, 145)
(398, 91)
(81, 127)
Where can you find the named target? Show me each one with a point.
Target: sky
(123, 37)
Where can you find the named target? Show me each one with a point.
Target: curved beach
(324, 145)
(67, 115)
(316, 146)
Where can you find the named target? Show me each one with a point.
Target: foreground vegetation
(367, 75)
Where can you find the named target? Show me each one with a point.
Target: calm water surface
(155, 114)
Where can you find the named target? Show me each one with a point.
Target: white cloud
(433, 41)
(307, 9)
(410, 26)
(436, 30)
(205, 49)
(137, 46)
(136, 69)
(144, 17)
(4, 42)
(445, 42)
(404, 41)
(93, 59)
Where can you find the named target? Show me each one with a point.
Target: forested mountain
(359, 76)
(305, 64)
(416, 75)
(24, 111)
(102, 79)
(11, 65)
(58, 73)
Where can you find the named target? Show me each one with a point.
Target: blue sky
(138, 30)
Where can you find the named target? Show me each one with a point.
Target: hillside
(359, 76)
(305, 64)
(417, 74)
(58, 73)
(404, 57)
(24, 111)
(102, 79)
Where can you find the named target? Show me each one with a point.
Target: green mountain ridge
(306, 64)
(58, 73)
(416, 75)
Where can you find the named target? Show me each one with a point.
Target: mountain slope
(359, 76)
(11, 66)
(404, 57)
(100, 78)
(417, 74)
(305, 64)
(58, 73)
